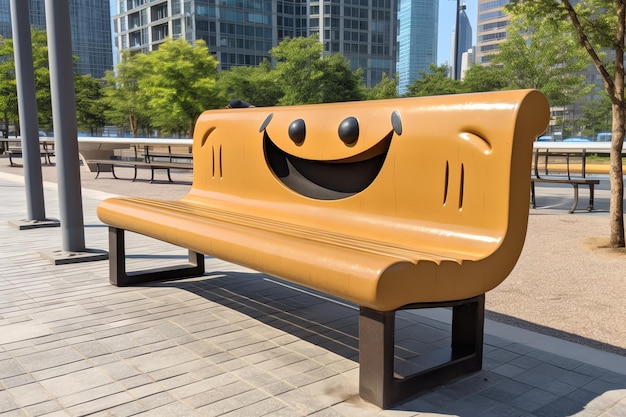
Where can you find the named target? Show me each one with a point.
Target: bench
(148, 160)
(173, 154)
(46, 152)
(575, 182)
(389, 204)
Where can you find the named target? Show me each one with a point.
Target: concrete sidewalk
(237, 343)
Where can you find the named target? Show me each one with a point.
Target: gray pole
(457, 71)
(27, 104)
(64, 119)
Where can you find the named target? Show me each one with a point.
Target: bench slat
(293, 231)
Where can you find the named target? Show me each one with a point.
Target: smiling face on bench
(328, 156)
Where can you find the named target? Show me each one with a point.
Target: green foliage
(543, 54)
(89, 104)
(178, 81)
(256, 85)
(490, 78)
(339, 82)
(596, 19)
(8, 90)
(8, 86)
(597, 115)
(125, 105)
(42, 77)
(386, 88)
(434, 83)
(307, 77)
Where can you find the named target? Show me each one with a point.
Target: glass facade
(364, 31)
(242, 32)
(417, 39)
(90, 27)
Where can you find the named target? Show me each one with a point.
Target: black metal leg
(377, 382)
(575, 198)
(376, 355)
(590, 207)
(468, 321)
(532, 195)
(118, 275)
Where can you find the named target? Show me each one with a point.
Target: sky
(447, 24)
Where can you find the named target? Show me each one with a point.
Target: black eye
(297, 131)
(349, 130)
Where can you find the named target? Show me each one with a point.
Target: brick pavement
(237, 343)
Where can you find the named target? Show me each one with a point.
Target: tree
(8, 87)
(599, 25)
(433, 83)
(126, 106)
(386, 88)
(256, 85)
(90, 107)
(178, 80)
(479, 79)
(39, 40)
(597, 115)
(307, 77)
(543, 55)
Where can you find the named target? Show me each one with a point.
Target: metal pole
(27, 105)
(456, 43)
(64, 119)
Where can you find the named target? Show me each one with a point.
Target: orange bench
(390, 204)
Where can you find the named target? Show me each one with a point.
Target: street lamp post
(456, 41)
(65, 134)
(457, 70)
(27, 106)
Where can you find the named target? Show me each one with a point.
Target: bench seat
(297, 252)
(388, 204)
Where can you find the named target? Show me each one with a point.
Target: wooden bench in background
(156, 160)
(14, 150)
(388, 204)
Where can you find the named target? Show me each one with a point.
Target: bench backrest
(446, 174)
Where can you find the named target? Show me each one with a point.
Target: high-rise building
(465, 44)
(242, 32)
(364, 31)
(90, 22)
(491, 29)
(417, 39)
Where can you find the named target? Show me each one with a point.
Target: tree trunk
(616, 180)
(134, 126)
(617, 142)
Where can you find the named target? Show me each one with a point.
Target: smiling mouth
(326, 180)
